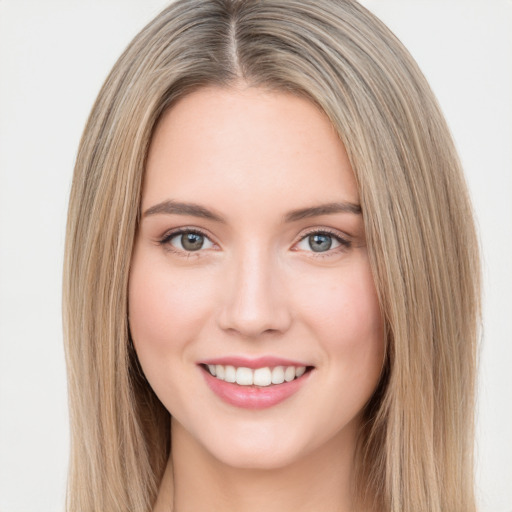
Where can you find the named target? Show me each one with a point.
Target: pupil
(320, 243)
(192, 241)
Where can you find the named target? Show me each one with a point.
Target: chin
(261, 447)
(257, 458)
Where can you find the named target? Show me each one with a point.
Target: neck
(195, 480)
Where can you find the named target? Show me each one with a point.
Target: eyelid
(344, 240)
(165, 239)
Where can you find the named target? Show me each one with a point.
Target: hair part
(416, 444)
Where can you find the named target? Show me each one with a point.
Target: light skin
(251, 243)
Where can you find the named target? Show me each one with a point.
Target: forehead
(247, 145)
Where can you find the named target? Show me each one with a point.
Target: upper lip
(258, 362)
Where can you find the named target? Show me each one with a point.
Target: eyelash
(344, 243)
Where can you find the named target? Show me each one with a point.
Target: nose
(255, 301)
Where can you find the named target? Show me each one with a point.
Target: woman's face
(250, 263)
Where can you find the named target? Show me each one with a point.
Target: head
(417, 226)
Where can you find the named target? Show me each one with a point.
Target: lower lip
(253, 397)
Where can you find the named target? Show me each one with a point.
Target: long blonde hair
(416, 444)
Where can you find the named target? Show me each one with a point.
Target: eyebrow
(323, 209)
(171, 207)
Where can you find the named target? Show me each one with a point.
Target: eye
(321, 242)
(188, 241)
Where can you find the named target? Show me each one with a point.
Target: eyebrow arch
(323, 209)
(171, 207)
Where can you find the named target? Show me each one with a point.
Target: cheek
(165, 307)
(344, 313)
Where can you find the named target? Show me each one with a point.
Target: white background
(54, 56)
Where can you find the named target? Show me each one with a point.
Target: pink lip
(259, 362)
(253, 397)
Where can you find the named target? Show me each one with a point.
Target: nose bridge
(254, 302)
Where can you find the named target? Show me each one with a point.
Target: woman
(272, 281)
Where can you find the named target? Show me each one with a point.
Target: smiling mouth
(261, 377)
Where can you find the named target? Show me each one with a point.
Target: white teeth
(259, 377)
(219, 371)
(289, 374)
(299, 372)
(230, 374)
(262, 377)
(278, 375)
(244, 376)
